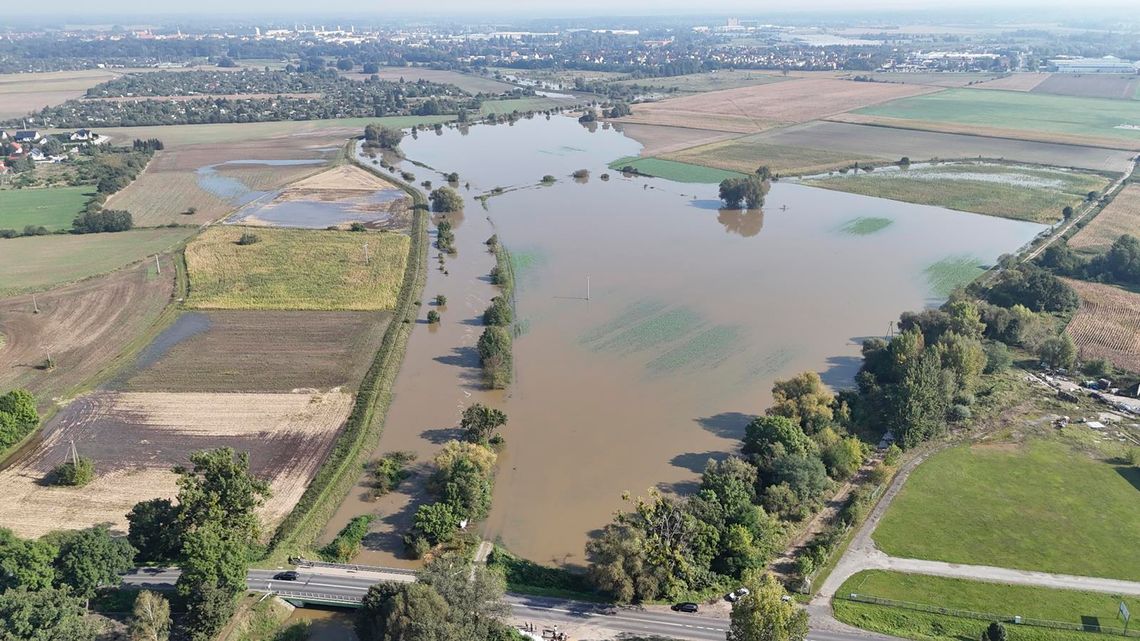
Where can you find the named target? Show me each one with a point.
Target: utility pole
(365, 252)
(35, 306)
(587, 287)
(74, 454)
(157, 265)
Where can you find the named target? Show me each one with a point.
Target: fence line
(989, 616)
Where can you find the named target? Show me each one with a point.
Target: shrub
(892, 455)
(436, 523)
(389, 471)
(248, 239)
(581, 173)
(74, 473)
(548, 179)
(357, 226)
(498, 313)
(106, 220)
(347, 542)
(445, 199)
(440, 300)
(959, 413)
(433, 317)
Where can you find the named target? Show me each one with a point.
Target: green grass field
(1005, 601)
(295, 269)
(746, 153)
(1042, 506)
(952, 272)
(1019, 111)
(676, 171)
(40, 262)
(53, 207)
(1036, 194)
(535, 103)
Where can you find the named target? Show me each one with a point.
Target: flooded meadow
(652, 323)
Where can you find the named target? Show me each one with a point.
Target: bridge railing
(311, 563)
(314, 596)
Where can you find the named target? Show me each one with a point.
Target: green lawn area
(1036, 194)
(746, 153)
(1041, 505)
(1089, 609)
(676, 171)
(295, 269)
(39, 262)
(1017, 110)
(52, 207)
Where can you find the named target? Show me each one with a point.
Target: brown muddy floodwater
(326, 624)
(692, 313)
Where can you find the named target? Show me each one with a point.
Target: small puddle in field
(369, 209)
(691, 313)
(187, 325)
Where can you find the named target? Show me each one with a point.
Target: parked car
(285, 576)
(736, 594)
(687, 606)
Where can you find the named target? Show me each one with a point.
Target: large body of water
(693, 312)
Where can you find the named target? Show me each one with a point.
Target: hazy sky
(529, 8)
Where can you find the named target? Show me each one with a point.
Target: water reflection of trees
(746, 222)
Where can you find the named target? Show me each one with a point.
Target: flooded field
(691, 313)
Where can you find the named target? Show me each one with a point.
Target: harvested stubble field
(747, 153)
(1107, 325)
(233, 351)
(51, 207)
(135, 439)
(40, 262)
(707, 81)
(22, 93)
(1024, 193)
(1122, 216)
(173, 183)
(83, 326)
(891, 144)
(1091, 85)
(295, 269)
(1011, 114)
(1015, 82)
(753, 109)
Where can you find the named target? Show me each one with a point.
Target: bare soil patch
(1107, 325)
(1122, 216)
(656, 139)
(753, 109)
(83, 326)
(893, 143)
(1015, 82)
(135, 439)
(1090, 85)
(232, 351)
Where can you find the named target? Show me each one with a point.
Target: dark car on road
(285, 576)
(685, 607)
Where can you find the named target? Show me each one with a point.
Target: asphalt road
(335, 583)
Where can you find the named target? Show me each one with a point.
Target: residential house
(82, 135)
(37, 154)
(3, 135)
(26, 136)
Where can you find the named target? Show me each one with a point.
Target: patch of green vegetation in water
(635, 313)
(672, 170)
(670, 326)
(526, 261)
(707, 349)
(863, 226)
(952, 272)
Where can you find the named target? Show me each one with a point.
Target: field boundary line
(338, 473)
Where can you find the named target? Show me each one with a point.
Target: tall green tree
(479, 422)
(219, 488)
(764, 615)
(92, 558)
(416, 613)
(155, 531)
(26, 563)
(474, 595)
(43, 615)
(804, 399)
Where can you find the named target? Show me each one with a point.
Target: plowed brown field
(1107, 325)
(752, 109)
(83, 326)
(135, 439)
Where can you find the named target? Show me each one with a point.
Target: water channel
(692, 312)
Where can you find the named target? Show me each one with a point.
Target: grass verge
(528, 577)
(337, 475)
(962, 608)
